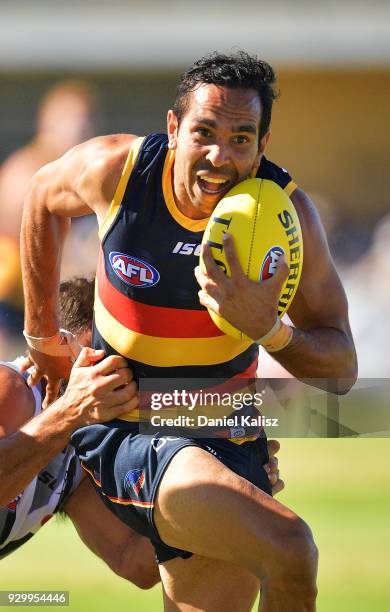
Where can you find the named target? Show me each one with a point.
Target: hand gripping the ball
(250, 306)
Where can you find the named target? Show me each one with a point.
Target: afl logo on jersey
(133, 271)
(268, 267)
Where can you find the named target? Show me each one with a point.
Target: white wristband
(62, 344)
(278, 337)
(276, 326)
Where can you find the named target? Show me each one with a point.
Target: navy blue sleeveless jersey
(146, 303)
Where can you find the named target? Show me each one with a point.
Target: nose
(218, 155)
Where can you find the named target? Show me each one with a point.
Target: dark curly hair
(75, 303)
(237, 71)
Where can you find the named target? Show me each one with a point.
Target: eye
(240, 139)
(204, 132)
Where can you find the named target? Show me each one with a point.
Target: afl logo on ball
(268, 267)
(133, 271)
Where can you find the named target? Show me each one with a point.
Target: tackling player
(40, 474)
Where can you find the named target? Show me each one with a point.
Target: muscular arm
(84, 180)
(26, 445)
(322, 347)
(322, 344)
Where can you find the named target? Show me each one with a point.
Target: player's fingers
(272, 465)
(212, 290)
(35, 376)
(273, 447)
(236, 270)
(110, 364)
(279, 486)
(88, 356)
(203, 279)
(273, 478)
(213, 270)
(281, 273)
(122, 407)
(133, 403)
(116, 381)
(209, 302)
(51, 392)
(124, 394)
(25, 363)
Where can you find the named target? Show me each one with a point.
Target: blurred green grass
(340, 487)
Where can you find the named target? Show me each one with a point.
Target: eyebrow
(213, 124)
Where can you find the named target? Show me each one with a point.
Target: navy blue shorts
(126, 468)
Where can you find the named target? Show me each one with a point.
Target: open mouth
(212, 185)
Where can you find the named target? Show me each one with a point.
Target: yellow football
(264, 224)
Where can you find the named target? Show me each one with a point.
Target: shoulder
(271, 171)
(309, 217)
(87, 175)
(100, 157)
(16, 401)
(100, 163)
(304, 205)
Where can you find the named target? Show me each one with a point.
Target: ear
(260, 152)
(172, 129)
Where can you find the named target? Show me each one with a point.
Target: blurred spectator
(64, 119)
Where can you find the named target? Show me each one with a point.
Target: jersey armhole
(120, 190)
(290, 187)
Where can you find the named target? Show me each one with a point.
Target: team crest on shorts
(134, 271)
(268, 267)
(134, 481)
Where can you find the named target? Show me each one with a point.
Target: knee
(299, 543)
(135, 561)
(303, 549)
(298, 562)
(144, 580)
(144, 577)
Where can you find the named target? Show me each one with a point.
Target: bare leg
(200, 583)
(127, 553)
(205, 508)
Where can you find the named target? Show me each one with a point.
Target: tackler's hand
(99, 390)
(272, 467)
